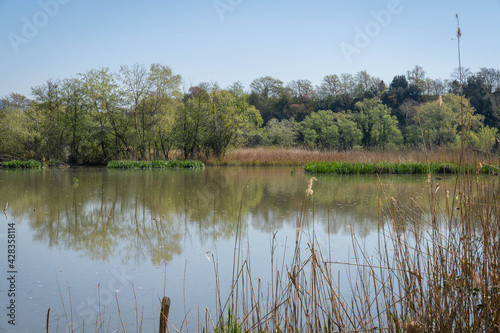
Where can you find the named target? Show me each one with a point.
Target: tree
(330, 87)
(301, 88)
(417, 77)
(162, 104)
(461, 75)
(269, 96)
(320, 131)
(78, 120)
(14, 133)
(379, 128)
(441, 123)
(226, 117)
(266, 87)
(282, 133)
(399, 92)
(104, 100)
(367, 86)
(349, 133)
(15, 100)
(135, 92)
(190, 118)
(49, 112)
(480, 96)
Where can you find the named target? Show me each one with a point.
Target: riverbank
(273, 156)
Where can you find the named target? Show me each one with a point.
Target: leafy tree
(320, 131)
(14, 133)
(379, 128)
(226, 116)
(48, 111)
(104, 100)
(190, 118)
(270, 97)
(163, 101)
(266, 87)
(135, 91)
(349, 133)
(480, 96)
(79, 123)
(441, 123)
(282, 133)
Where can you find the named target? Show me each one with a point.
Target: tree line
(143, 113)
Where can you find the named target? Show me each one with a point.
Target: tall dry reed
(295, 156)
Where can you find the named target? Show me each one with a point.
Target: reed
(269, 156)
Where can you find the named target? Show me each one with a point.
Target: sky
(225, 41)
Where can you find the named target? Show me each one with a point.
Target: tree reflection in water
(145, 215)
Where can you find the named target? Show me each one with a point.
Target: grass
(395, 168)
(381, 168)
(17, 164)
(188, 164)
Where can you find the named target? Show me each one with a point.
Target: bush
(188, 164)
(17, 164)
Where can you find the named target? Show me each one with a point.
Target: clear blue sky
(239, 40)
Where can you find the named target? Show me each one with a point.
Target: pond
(90, 240)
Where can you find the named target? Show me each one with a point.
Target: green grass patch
(188, 164)
(17, 164)
(381, 168)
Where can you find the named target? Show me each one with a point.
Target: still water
(88, 239)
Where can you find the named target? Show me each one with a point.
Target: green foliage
(378, 127)
(17, 164)
(328, 130)
(485, 139)
(320, 130)
(140, 113)
(440, 125)
(380, 168)
(188, 164)
(14, 134)
(282, 133)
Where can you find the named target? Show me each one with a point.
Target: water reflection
(145, 215)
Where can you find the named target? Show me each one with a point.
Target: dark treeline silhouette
(142, 113)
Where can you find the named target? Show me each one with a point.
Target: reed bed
(297, 157)
(187, 164)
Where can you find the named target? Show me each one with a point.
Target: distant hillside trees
(142, 113)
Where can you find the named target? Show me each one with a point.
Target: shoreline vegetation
(171, 164)
(345, 168)
(316, 161)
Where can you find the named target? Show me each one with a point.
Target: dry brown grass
(263, 156)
